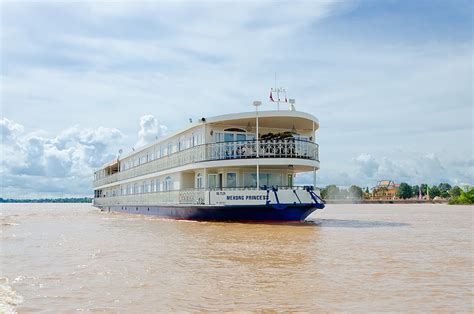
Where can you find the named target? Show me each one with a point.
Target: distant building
(385, 190)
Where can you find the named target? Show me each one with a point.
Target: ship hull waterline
(233, 213)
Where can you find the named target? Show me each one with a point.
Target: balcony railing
(291, 148)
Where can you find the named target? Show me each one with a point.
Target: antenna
(278, 91)
(119, 153)
(292, 104)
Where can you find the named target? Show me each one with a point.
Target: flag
(271, 96)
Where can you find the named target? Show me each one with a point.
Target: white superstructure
(214, 161)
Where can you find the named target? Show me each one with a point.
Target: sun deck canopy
(282, 119)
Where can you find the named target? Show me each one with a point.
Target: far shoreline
(397, 201)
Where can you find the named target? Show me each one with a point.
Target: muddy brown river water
(68, 257)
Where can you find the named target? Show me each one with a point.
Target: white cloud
(367, 165)
(34, 164)
(70, 156)
(150, 130)
(366, 170)
(9, 130)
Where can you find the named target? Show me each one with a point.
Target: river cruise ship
(233, 167)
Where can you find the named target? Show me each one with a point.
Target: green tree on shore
(444, 189)
(464, 198)
(330, 192)
(415, 190)
(404, 191)
(423, 188)
(355, 192)
(434, 192)
(455, 191)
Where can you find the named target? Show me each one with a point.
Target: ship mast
(278, 91)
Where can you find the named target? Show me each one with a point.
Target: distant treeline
(454, 194)
(47, 200)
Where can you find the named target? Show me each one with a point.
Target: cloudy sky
(390, 81)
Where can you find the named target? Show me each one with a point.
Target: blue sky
(390, 81)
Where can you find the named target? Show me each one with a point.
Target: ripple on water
(9, 298)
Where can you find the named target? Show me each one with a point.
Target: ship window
(218, 137)
(197, 138)
(212, 179)
(240, 137)
(231, 180)
(269, 179)
(228, 137)
(157, 185)
(199, 181)
(168, 184)
(146, 188)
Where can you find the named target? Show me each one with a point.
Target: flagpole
(278, 94)
(257, 104)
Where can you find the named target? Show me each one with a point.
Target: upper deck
(285, 137)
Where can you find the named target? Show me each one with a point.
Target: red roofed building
(385, 190)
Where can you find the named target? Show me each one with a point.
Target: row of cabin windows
(144, 187)
(183, 143)
(214, 181)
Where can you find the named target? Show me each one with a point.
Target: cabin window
(168, 184)
(218, 137)
(240, 137)
(269, 179)
(199, 181)
(146, 187)
(212, 181)
(170, 148)
(231, 180)
(197, 138)
(157, 185)
(152, 186)
(228, 137)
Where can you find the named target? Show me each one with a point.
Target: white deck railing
(202, 196)
(220, 151)
(170, 197)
